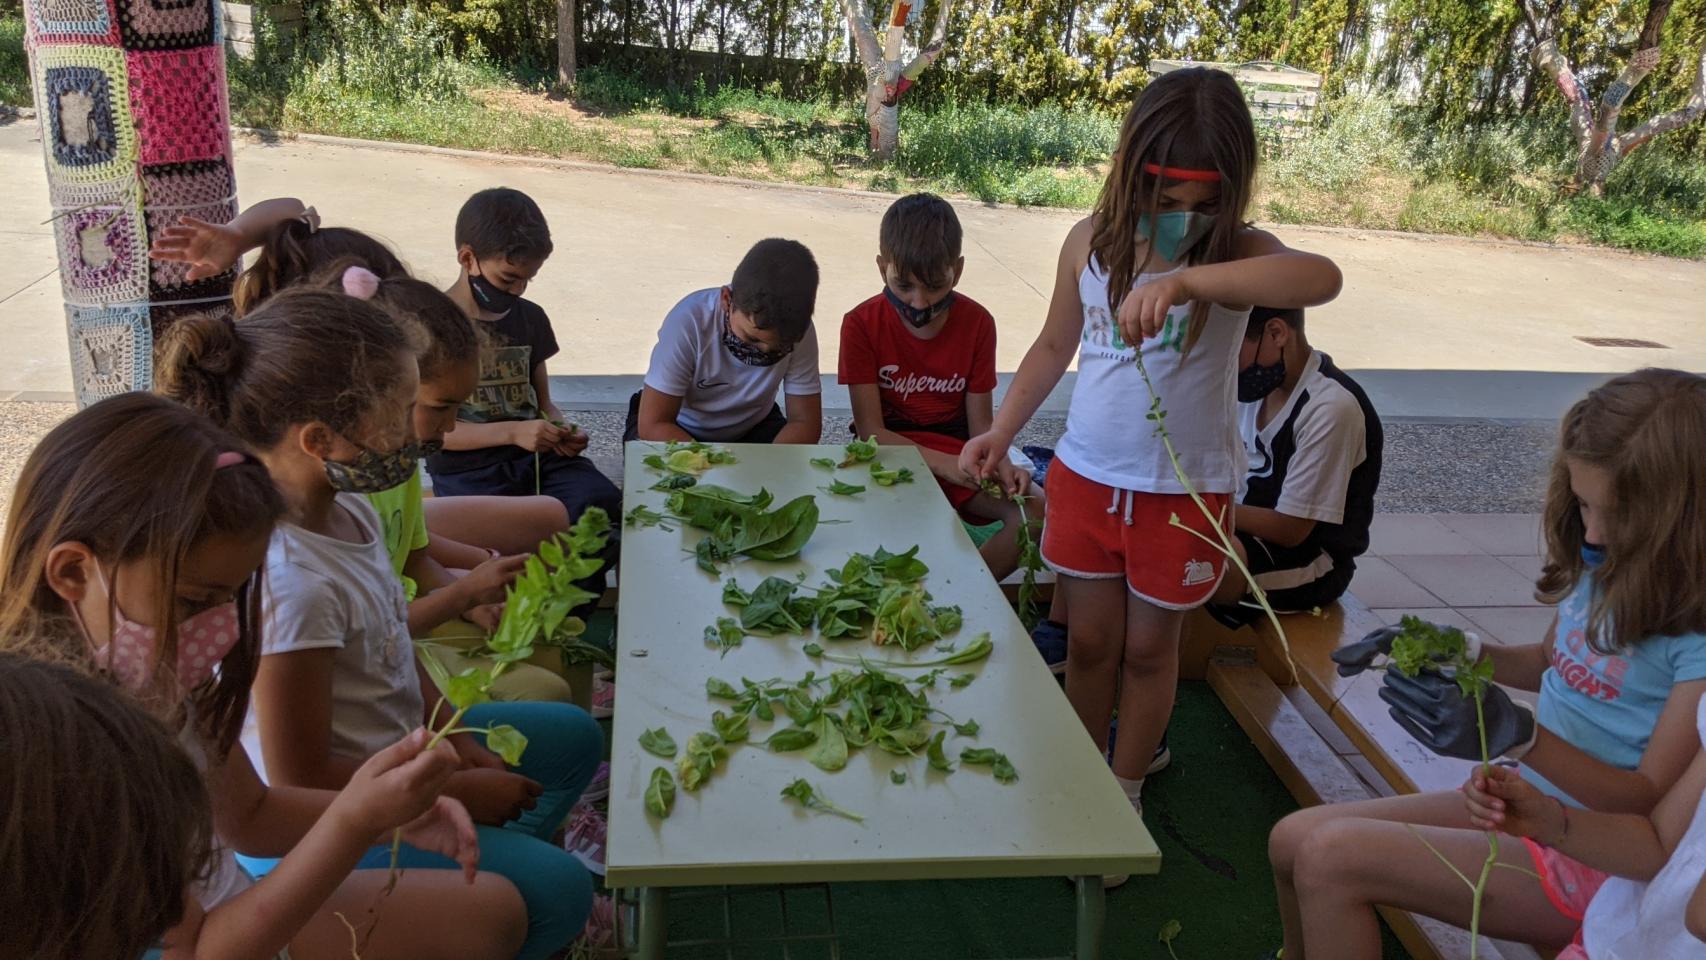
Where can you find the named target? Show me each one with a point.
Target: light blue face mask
(1172, 235)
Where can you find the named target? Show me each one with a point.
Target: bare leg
(1351, 865)
(431, 915)
(1149, 681)
(1095, 640)
(509, 525)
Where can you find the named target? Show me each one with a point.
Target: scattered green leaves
(809, 797)
(897, 776)
(1000, 766)
(660, 793)
(972, 652)
(731, 729)
(724, 635)
(705, 752)
(841, 489)
(823, 462)
(861, 451)
(692, 459)
(659, 743)
(884, 477)
(644, 516)
(772, 608)
(720, 689)
(967, 729)
(739, 525)
(938, 758)
(829, 750)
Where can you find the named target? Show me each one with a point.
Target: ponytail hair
(307, 354)
(444, 334)
(296, 250)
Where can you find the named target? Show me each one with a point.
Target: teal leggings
(564, 746)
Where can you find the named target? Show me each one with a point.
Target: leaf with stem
(1169, 932)
(861, 451)
(660, 793)
(809, 797)
(840, 489)
(659, 743)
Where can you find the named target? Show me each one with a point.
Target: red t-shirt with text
(922, 382)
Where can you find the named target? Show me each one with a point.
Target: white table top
(1065, 815)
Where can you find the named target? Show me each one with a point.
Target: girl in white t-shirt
(321, 384)
(1161, 274)
(132, 548)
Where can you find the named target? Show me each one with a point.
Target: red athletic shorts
(1096, 532)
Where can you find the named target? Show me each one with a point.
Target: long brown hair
(296, 250)
(307, 354)
(1644, 429)
(133, 478)
(103, 819)
(444, 335)
(1193, 118)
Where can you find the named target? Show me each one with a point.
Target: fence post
(136, 132)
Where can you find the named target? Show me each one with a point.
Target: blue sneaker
(1050, 638)
(1163, 756)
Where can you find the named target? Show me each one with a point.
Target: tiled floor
(1473, 571)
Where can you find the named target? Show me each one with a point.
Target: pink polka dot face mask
(203, 640)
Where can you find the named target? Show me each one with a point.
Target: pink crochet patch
(179, 100)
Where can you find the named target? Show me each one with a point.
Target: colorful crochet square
(84, 92)
(166, 24)
(204, 190)
(103, 255)
(178, 98)
(71, 21)
(112, 351)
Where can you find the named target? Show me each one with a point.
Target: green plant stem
(1492, 841)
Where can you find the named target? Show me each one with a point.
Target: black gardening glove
(1357, 657)
(1434, 710)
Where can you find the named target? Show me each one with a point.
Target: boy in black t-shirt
(501, 242)
(1313, 443)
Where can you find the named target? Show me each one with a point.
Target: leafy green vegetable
(1423, 643)
(962, 680)
(989, 757)
(830, 751)
(644, 516)
(905, 617)
(730, 729)
(737, 528)
(812, 650)
(675, 481)
(809, 797)
(977, 650)
(897, 776)
(823, 462)
(658, 743)
(967, 729)
(1169, 932)
(772, 608)
(660, 793)
(939, 759)
(507, 742)
(840, 489)
(688, 458)
(861, 451)
(705, 752)
(725, 634)
(720, 689)
(791, 739)
(884, 477)
(1031, 563)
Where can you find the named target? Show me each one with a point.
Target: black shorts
(1296, 580)
(764, 431)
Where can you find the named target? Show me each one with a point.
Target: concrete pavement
(1435, 327)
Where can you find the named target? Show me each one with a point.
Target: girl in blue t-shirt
(1620, 678)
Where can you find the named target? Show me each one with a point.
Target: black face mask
(1256, 381)
(916, 318)
(489, 297)
(750, 355)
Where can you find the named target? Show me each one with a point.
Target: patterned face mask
(129, 653)
(1257, 381)
(372, 471)
(750, 355)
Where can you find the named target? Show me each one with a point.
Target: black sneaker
(1050, 640)
(1160, 761)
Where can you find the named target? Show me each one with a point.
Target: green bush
(14, 67)
(965, 144)
(1622, 222)
(406, 58)
(1352, 137)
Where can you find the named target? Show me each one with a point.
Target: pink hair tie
(361, 283)
(229, 458)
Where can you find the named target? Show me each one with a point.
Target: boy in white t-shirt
(722, 354)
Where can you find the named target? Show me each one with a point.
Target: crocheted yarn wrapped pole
(135, 122)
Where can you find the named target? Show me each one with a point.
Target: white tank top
(226, 879)
(1108, 436)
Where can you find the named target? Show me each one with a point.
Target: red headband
(1182, 173)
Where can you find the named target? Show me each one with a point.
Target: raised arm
(213, 248)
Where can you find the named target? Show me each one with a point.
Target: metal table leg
(1092, 910)
(654, 923)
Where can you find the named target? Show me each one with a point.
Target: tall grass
(14, 69)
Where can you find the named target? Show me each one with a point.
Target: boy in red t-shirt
(919, 362)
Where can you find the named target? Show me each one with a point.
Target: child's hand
(1500, 799)
(984, 454)
(446, 829)
(1015, 480)
(397, 784)
(487, 616)
(1143, 312)
(574, 441)
(209, 248)
(495, 797)
(537, 436)
(485, 583)
(473, 754)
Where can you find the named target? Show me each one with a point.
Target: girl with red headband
(1151, 294)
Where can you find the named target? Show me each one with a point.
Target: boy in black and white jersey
(1313, 442)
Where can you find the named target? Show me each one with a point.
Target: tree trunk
(566, 43)
(886, 79)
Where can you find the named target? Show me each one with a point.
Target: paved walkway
(1472, 571)
(1437, 327)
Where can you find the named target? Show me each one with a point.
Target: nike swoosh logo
(706, 385)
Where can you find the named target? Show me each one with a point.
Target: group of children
(246, 561)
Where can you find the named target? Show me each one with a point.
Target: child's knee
(496, 916)
(1327, 854)
(545, 515)
(1287, 837)
(558, 891)
(526, 683)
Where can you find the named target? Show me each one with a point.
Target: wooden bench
(1327, 737)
